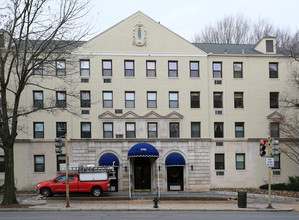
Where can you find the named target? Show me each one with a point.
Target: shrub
(292, 186)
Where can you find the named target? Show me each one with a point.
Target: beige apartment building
(170, 115)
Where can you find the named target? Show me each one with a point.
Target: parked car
(94, 183)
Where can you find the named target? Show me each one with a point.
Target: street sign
(270, 161)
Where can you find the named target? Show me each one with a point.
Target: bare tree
(33, 32)
(290, 126)
(240, 30)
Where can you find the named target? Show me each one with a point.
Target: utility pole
(269, 175)
(67, 174)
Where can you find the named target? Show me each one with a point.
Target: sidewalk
(147, 205)
(169, 202)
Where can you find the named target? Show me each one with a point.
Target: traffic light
(275, 147)
(58, 145)
(263, 147)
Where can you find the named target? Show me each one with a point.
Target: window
(84, 68)
(274, 99)
(85, 99)
(39, 163)
(38, 129)
(130, 99)
(274, 129)
(238, 97)
(152, 130)
(107, 67)
(107, 99)
(195, 129)
(239, 129)
(151, 68)
(219, 161)
(38, 99)
(195, 99)
(60, 68)
(60, 159)
(129, 68)
(194, 69)
(218, 100)
(108, 130)
(130, 130)
(238, 70)
(217, 70)
(240, 161)
(152, 99)
(276, 162)
(85, 130)
(218, 129)
(172, 68)
(61, 99)
(273, 70)
(61, 129)
(38, 68)
(2, 164)
(173, 99)
(269, 46)
(174, 128)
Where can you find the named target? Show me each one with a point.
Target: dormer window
(269, 46)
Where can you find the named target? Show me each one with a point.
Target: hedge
(292, 186)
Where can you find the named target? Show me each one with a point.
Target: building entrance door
(142, 174)
(175, 178)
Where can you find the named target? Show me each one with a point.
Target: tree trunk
(9, 196)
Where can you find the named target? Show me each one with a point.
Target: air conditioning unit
(107, 80)
(219, 144)
(85, 112)
(217, 82)
(218, 112)
(119, 136)
(219, 173)
(118, 111)
(84, 80)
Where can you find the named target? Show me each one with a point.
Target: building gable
(138, 34)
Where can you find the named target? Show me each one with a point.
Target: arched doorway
(175, 163)
(142, 174)
(109, 159)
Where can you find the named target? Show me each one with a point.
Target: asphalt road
(149, 215)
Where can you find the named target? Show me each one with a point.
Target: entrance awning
(108, 159)
(143, 150)
(175, 159)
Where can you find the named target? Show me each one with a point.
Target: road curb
(144, 209)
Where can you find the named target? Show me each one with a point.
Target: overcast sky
(187, 17)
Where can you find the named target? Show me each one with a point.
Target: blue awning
(143, 150)
(174, 159)
(108, 159)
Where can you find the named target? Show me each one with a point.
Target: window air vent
(84, 80)
(118, 111)
(276, 172)
(218, 112)
(85, 112)
(217, 82)
(219, 144)
(119, 136)
(107, 80)
(219, 173)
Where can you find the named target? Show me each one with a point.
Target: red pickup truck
(96, 185)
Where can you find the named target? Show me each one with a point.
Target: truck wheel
(45, 192)
(96, 191)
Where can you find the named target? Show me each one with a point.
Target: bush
(292, 186)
